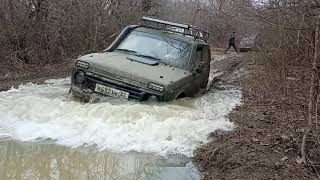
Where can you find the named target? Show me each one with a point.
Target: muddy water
(45, 135)
(46, 160)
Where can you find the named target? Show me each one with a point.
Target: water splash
(36, 112)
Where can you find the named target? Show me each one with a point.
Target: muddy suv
(156, 60)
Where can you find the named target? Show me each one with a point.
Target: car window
(169, 51)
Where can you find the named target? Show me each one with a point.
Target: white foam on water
(36, 112)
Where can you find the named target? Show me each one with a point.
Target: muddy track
(224, 68)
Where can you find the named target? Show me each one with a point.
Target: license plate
(111, 91)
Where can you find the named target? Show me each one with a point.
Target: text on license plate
(111, 91)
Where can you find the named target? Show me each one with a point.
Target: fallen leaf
(299, 160)
(264, 144)
(284, 158)
(255, 140)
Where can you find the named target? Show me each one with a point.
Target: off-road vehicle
(155, 60)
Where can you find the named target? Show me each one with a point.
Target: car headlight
(80, 77)
(156, 87)
(82, 64)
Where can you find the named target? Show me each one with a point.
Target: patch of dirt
(266, 141)
(12, 75)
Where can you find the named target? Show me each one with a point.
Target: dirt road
(262, 145)
(45, 114)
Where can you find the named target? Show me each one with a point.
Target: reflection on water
(49, 161)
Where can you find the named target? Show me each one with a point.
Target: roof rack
(184, 29)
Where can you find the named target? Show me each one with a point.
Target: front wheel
(204, 84)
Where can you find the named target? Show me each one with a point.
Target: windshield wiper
(140, 55)
(125, 50)
(147, 56)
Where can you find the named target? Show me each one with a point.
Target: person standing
(232, 40)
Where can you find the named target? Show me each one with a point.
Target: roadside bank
(266, 141)
(13, 74)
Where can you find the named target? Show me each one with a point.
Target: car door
(201, 68)
(205, 66)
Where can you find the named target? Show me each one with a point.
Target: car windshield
(167, 50)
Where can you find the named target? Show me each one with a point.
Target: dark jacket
(232, 39)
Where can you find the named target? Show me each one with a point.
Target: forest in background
(42, 31)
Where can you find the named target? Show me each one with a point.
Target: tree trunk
(312, 93)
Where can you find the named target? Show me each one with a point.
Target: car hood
(117, 63)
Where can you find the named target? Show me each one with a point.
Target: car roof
(177, 36)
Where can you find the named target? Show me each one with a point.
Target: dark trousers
(233, 45)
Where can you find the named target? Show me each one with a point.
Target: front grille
(135, 92)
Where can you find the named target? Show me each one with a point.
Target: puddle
(49, 161)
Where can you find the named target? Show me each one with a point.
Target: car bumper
(137, 90)
(86, 94)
